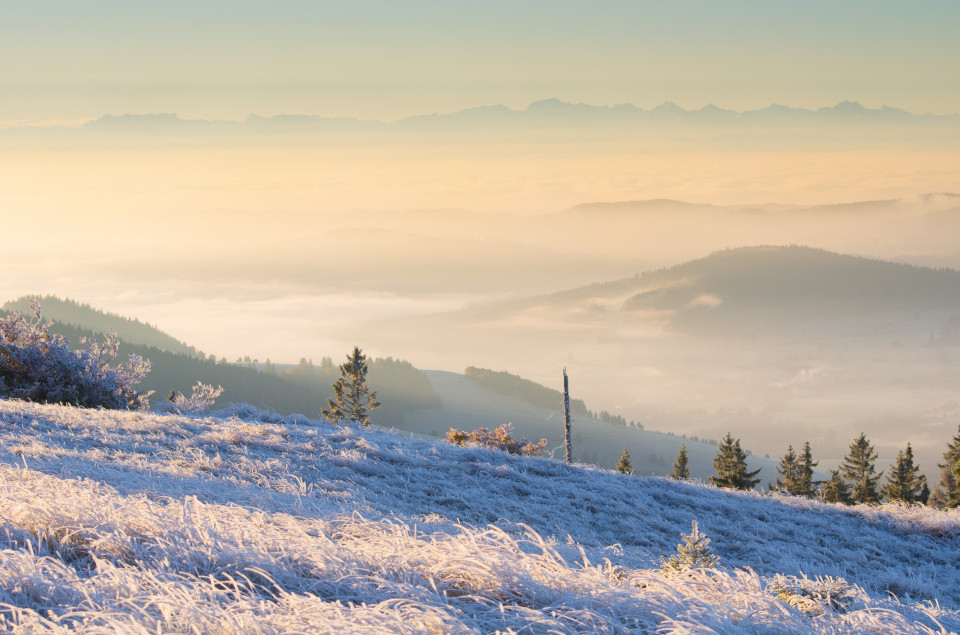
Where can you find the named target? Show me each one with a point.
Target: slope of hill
(70, 312)
(178, 367)
(758, 285)
(424, 402)
(467, 405)
(138, 522)
(777, 345)
(513, 385)
(767, 286)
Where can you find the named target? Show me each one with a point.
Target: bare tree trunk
(566, 417)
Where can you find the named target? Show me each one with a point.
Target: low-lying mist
(454, 251)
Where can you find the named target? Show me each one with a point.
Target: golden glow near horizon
(285, 242)
(72, 62)
(211, 193)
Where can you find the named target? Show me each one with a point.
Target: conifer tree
(731, 466)
(835, 490)
(940, 497)
(946, 493)
(680, 469)
(796, 473)
(353, 400)
(693, 552)
(805, 467)
(625, 465)
(859, 470)
(789, 470)
(905, 483)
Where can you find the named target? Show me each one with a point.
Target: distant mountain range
(543, 114)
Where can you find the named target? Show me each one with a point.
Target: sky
(68, 61)
(237, 243)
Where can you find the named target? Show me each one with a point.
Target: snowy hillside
(468, 405)
(242, 522)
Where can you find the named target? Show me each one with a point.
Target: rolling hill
(72, 313)
(466, 405)
(765, 287)
(243, 521)
(778, 345)
(178, 367)
(428, 403)
(728, 293)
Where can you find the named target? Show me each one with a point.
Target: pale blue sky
(62, 59)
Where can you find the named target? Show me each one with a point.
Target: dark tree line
(855, 481)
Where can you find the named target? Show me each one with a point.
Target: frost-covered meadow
(243, 522)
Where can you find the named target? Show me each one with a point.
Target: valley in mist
(470, 239)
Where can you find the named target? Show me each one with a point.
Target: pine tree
(789, 470)
(940, 498)
(353, 399)
(731, 466)
(905, 483)
(946, 493)
(693, 552)
(859, 470)
(625, 465)
(680, 469)
(805, 467)
(796, 473)
(835, 490)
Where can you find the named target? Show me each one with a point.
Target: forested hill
(71, 312)
(505, 383)
(174, 366)
(766, 286)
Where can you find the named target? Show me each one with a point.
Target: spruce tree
(680, 469)
(353, 400)
(731, 466)
(789, 470)
(625, 465)
(905, 483)
(805, 467)
(835, 490)
(946, 493)
(859, 470)
(693, 552)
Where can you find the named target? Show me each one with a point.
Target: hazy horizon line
(850, 108)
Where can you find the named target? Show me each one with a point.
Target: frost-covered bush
(37, 365)
(200, 399)
(248, 412)
(815, 596)
(499, 439)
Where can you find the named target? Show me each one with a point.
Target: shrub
(499, 439)
(200, 400)
(37, 365)
(814, 596)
